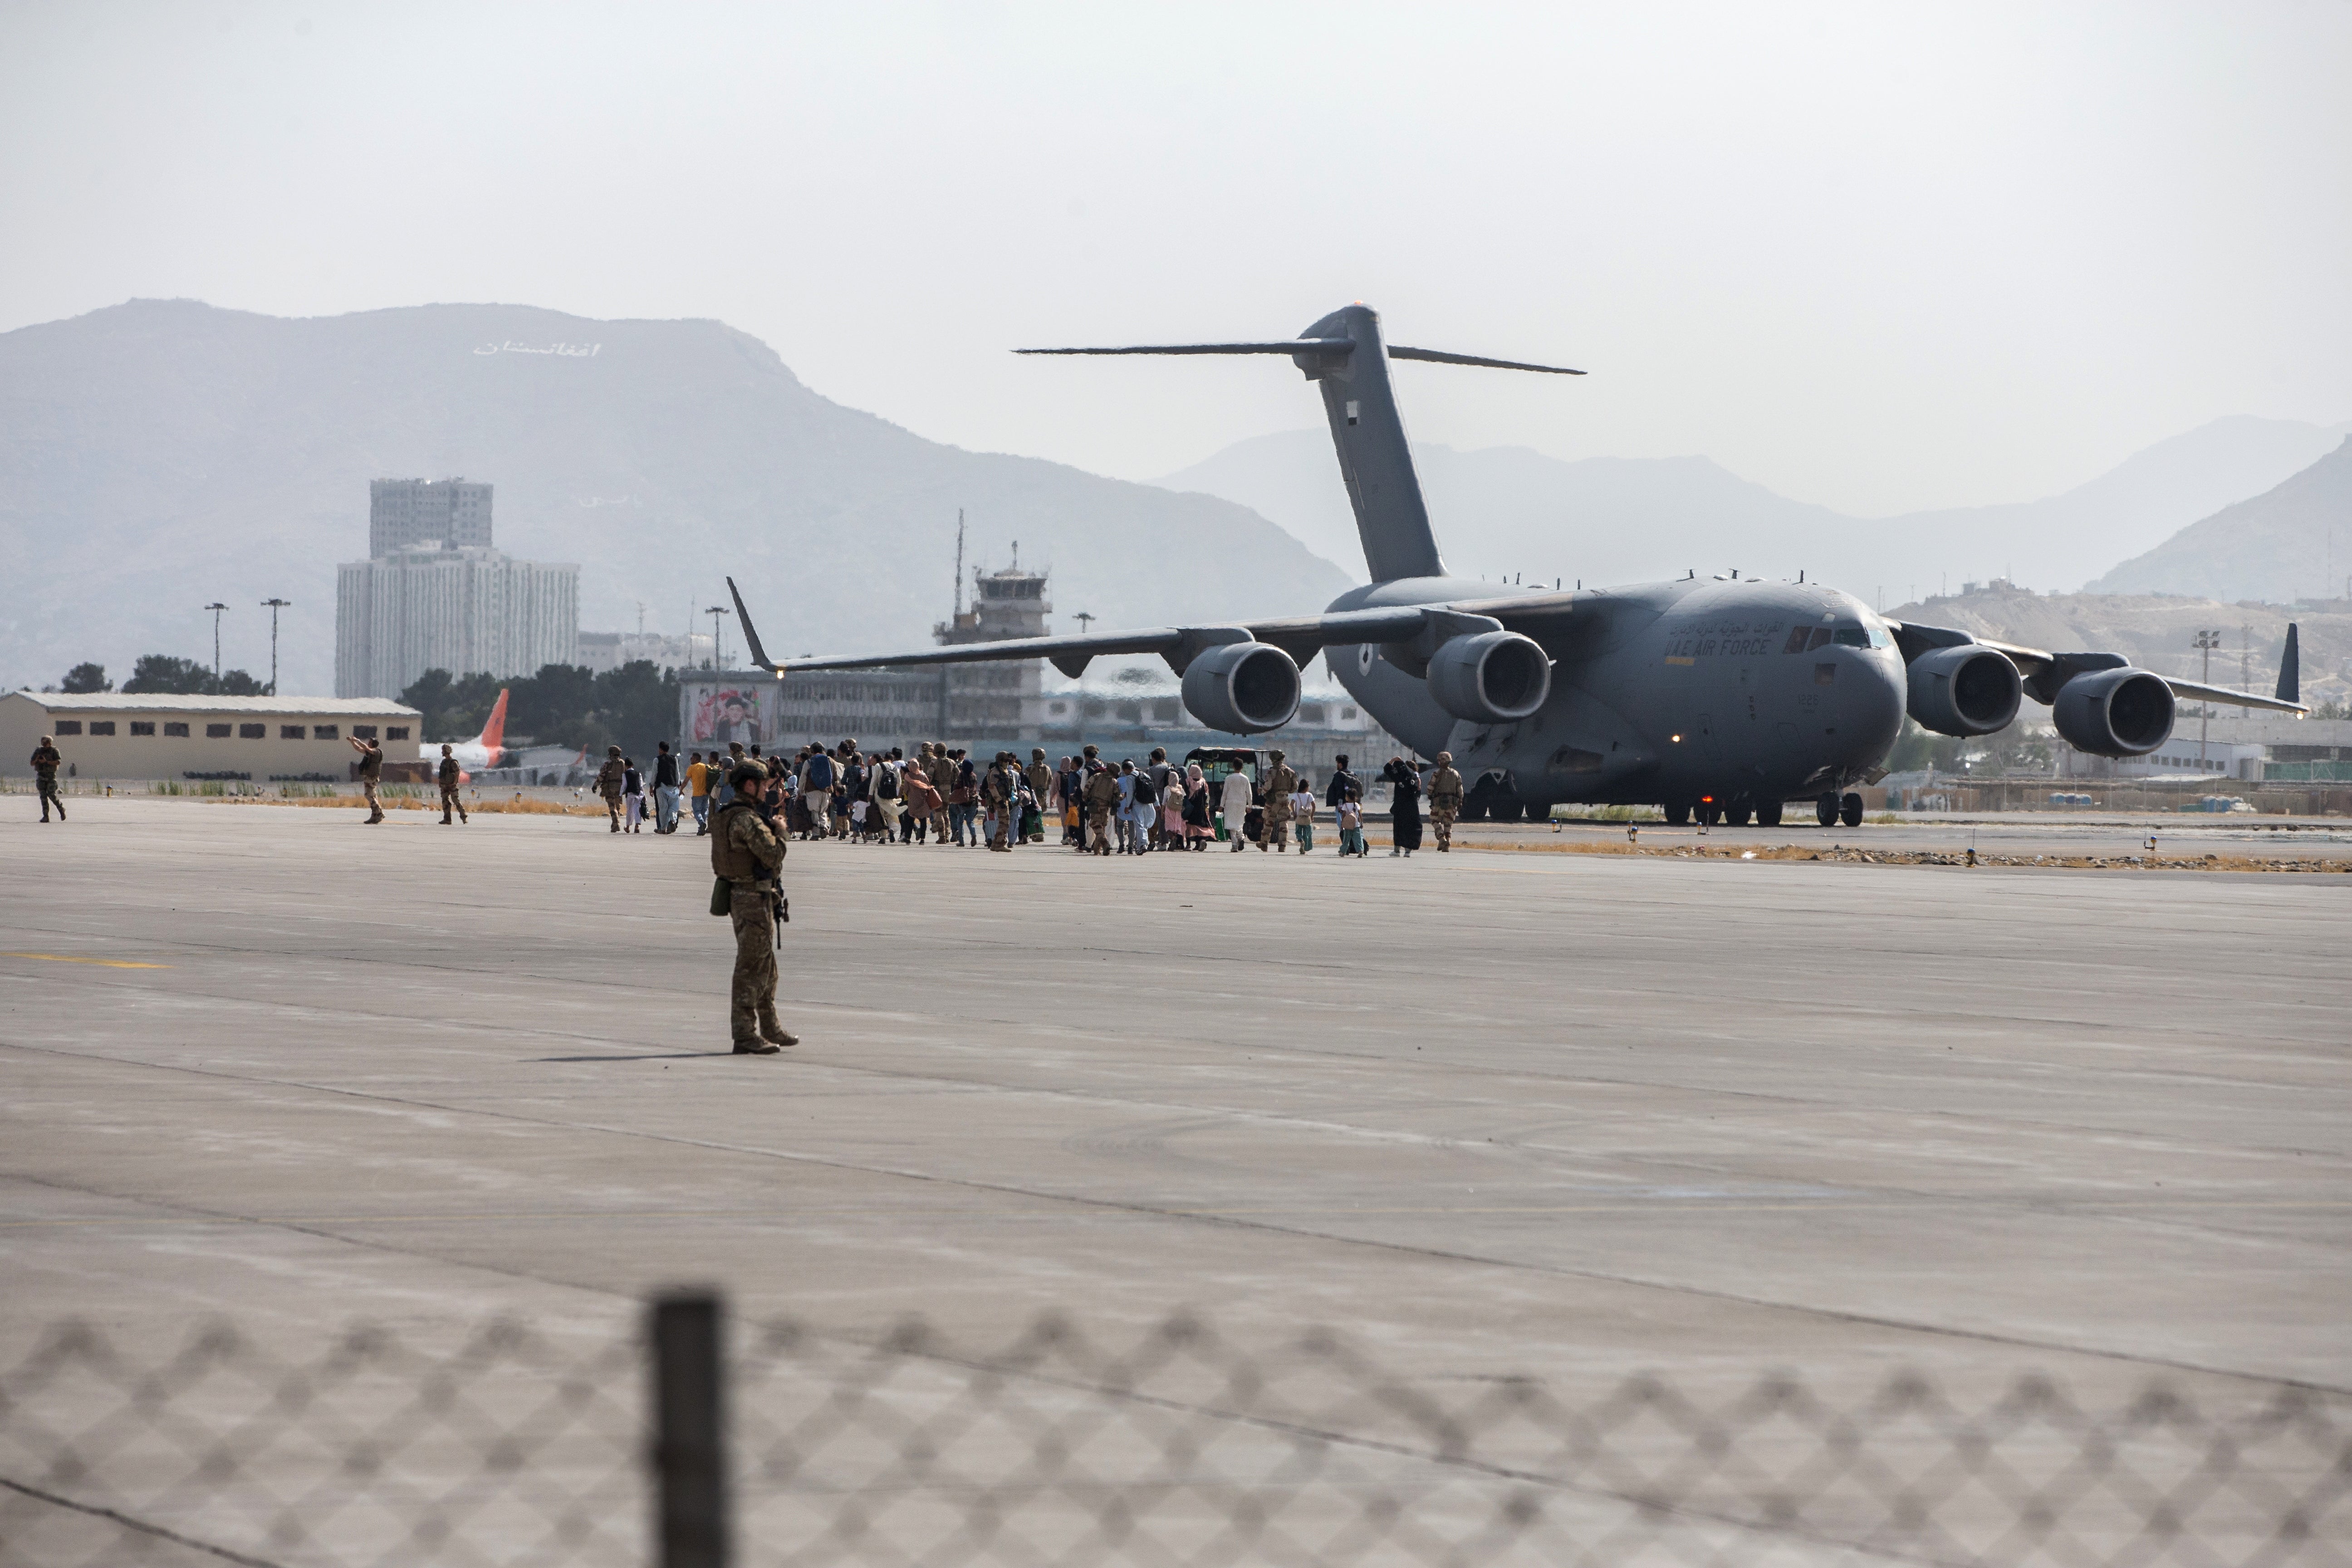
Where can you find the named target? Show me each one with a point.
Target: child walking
(1302, 814)
(1352, 825)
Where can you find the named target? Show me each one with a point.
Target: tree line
(563, 705)
(162, 672)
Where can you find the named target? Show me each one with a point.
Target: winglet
(751, 637)
(2290, 685)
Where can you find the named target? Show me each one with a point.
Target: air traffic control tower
(1002, 698)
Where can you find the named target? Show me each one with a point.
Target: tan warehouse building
(115, 736)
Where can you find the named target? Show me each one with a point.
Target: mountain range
(2292, 542)
(1509, 510)
(160, 455)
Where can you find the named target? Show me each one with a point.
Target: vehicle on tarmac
(1720, 697)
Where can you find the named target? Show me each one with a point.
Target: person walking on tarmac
(609, 780)
(371, 774)
(1281, 783)
(449, 774)
(45, 771)
(1445, 801)
(747, 854)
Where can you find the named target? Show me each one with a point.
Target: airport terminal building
(155, 736)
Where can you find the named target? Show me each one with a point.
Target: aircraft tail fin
(493, 738)
(2290, 682)
(1344, 353)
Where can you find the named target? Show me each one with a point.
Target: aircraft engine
(1242, 688)
(2115, 713)
(1490, 677)
(1968, 690)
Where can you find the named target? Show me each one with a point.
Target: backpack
(886, 781)
(820, 772)
(1145, 794)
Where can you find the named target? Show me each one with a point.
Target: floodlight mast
(217, 607)
(718, 653)
(273, 605)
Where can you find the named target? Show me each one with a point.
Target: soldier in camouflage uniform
(608, 783)
(1040, 775)
(940, 769)
(1445, 801)
(450, 775)
(1281, 781)
(45, 758)
(1101, 795)
(748, 852)
(371, 774)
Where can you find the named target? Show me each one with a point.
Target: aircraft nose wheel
(1850, 810)
(1736, 815)
(1677, 816)
(1825, 811)
(1767, 814)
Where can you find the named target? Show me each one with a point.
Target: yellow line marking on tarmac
(2086, 1207)
(101, 963)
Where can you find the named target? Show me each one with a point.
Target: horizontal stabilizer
(2290, 680)
(1324, 346)
(1439, 356)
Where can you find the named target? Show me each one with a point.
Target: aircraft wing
(1301, 637)
(2045, 671)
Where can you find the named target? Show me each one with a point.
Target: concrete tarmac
(1485, 1113)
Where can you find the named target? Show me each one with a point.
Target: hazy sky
(1881, 257)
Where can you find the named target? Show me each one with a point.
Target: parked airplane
(1720, 697)
(484, 751)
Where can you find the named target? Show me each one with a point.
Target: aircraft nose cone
(1874, 704)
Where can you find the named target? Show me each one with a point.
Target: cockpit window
(1851, 637)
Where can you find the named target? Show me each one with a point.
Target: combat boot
(775, 1034)
(754, 1048)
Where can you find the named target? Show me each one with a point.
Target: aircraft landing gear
(1736, 815)
(1767, 814)
(1850, 810)
(1708, 816)
(1677, 814)
(1825, 810)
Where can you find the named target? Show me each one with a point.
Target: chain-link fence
(1180, 1449)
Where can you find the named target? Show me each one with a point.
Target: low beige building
(117, 735)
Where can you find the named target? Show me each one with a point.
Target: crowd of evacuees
(945, 794)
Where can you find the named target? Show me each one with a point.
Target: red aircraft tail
(493, 738)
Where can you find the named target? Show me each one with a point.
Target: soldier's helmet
(1275, 756)
(1037, 753)
(611, 751)
(747, 775)
(1444, 759)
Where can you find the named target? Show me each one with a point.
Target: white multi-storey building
(435, 596)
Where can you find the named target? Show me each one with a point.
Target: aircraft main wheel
(1767, 814)
(1735, 814)
(1709, 815)
(1506, 811)
(1826, 810)
(1677, 816)
(1473, 811)
(1850, 810)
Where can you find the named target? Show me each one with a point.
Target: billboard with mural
(722, 711)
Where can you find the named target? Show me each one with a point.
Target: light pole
(717, 658)
(2205, 643)
(273, 605)
(217, 607)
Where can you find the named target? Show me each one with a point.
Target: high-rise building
(433, 594)
(412, 514)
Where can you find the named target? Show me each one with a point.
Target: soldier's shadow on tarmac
(655, 1057)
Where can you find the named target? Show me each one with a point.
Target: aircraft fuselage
(1735, 691)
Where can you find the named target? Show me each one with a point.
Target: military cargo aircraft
(1720, 698)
